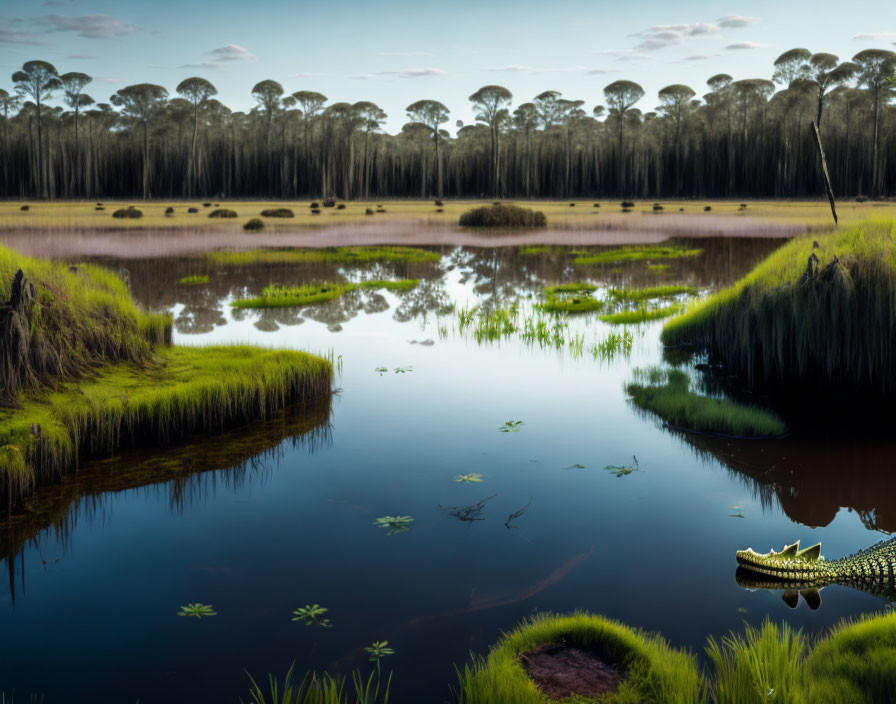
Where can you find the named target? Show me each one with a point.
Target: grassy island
(818, 315)
(277, 296)
(84, 371)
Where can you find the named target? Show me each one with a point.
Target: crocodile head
(789, 565)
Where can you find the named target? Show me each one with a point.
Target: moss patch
(277, 296)
(333, 255)
(641, 315)
(628, 254)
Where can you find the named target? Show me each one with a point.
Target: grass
(277, 296)
(654, 672)
(502, 215)
(572, 287)
(572, 304)
(831, 330)
(323, 688)
(628, 254)
(667, 394)
(650, 293)
(641, 315)
(331, 255)
(194, 279)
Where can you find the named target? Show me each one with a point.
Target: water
(281, 515)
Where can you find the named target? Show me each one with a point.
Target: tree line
(749, 137)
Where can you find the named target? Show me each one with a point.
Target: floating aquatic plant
(379, 649)
(197, 610)
(468, 514)
(403, 370)
(382, 370)
(511, 426)
(471, 478)
(312, 615)
(394, 524)
(622, 470)
(575, 466)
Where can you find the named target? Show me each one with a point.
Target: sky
(395, 52)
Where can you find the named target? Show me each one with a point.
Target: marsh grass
(278, 296)
(628, 254)
(193, 280)
(332, 255)
(667, 394)
(571, 287)
(324, 688)
(831, 329)
(652, 671)
(641, 315)
(650, 292)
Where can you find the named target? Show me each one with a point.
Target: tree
(198, 92)
(311, 104)
(675, 102)
(875, 68)
(140, 103)
(791, 66)
(8, 102)
(73, 85)
(38, 79)
(491, 104)
(372, 117)
(267, 94)
(621, 96)
(432, 114)
(525, 120)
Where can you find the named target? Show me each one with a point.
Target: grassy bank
(641, 315)
(330, 255)
(818, 314)
(668, 395)
(629, 254)
(277, 296)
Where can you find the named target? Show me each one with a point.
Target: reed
(817, 315)
(278, 296)
(331, 255)
(323, 688)
(628, 254)
(667, 394)
(653, 671)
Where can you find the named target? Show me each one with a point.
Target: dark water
(274, 517)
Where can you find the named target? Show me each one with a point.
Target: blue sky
(397, 52)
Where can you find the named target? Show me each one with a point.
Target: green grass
(855, 664)
(194, 279)
(668, 395)
(277, 296)
(834, 331)
(503, 215)
(650, 293)
(654, 672)
(628, 254)
(641, 315)
(658, 267)
(572, 287)
(323, 688)
(572, 304)
(331, 255)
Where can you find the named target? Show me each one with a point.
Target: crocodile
(805, 571)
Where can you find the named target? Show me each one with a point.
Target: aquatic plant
(516, 514)
(572, 304)
(649, 293)
(197, 610)
(612, 345)
(323, 688)
(503, 215)
(816, 316)
(623, 470)
(279, 296)
(471, 478)
(403, 370)
(667, 394)
(511, 426)
(571, 287)
(650, 670)
(635, 253)
(641, 315)
(194, 279)
(378, 650)
(394, 524)
(312, 615)
(333, 255)
(470, 513)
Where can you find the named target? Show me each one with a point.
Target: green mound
(628, 254)
(572, 304)
(277, 296)
(641, 315)
(194, 279)
(667, 394)
(651, 671)
(502, 215)
(332, 255)
(817, 314)
(650, 293)
(573, 287)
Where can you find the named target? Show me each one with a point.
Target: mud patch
(562, 671)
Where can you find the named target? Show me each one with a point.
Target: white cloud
(512, 68)
(597, 72)
(662, 35)
(405, 54)
(81, 56)
(90, 26)
(233, 52)
(745, 45)
(8, 36)
(735, 21)
(697, 57)
(209, 65)
(875, 36)
(418, 72)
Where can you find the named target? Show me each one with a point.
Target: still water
(273, 517)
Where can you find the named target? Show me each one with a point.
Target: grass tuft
(277, 296)
(641, 315)
(628, 254)
(502, 215)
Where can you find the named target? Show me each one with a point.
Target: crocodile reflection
(803, 573)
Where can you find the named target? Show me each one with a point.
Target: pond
(267, 519)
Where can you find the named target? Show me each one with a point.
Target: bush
(597, 205)
(627, 204)
(381, 210)
(861, 199)
(314, 205)
(503, 216)
(572, 205)
(315, 211)
(439, 203)
(223, 213)
(368, 211)
(254, 225)
(99, 203)
(707, 208)
(99, 207)
(657, 207)
(341, 206)
(206, 205)
(277, 213)
(25, 207)
(440, 210)
(169, 210)
(130, 213)
(192, 210)
(329, 203)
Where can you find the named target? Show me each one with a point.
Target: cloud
(8, 36)
(744, 45)
(80, 56)
(875, 36)
(233, 52)
(626, 55)
(58, 3)
(90, 26)
(405, 54)
(306, 74)
(597, 72)
(735, 21)
(418, 72)
(517, 68)
(511, 68)
(697, 57)
(209, 65)
(662, 35)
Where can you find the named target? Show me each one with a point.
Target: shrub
(277, 213)
(707, 208)
(329, 203)
(627, 204)
(131, 213)
(597, 205)
(503, 216)
(192, 210)
(99, 207)
(861, 199)
(206, 205)
(99, 203)
(743, 206)
(381, 210)
(223, 213)
(368, 211)
(341, 206)
(681, 210)
(24, 207)
(572, 205)
(314, 204)
(169, 210)
(254, 225)
(440, 210)
(439, 203)
(315, 211)
(657, 207)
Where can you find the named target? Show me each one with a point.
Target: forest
(743, 138)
